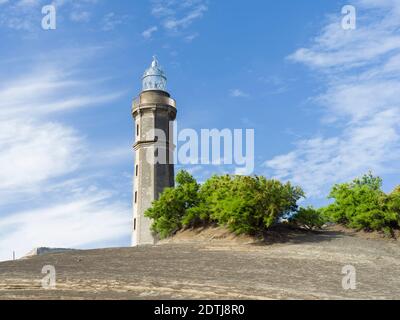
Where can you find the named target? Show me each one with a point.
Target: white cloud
(49, 91)
(112, 21)
(32, 148)
(73, 223)
(373, 38)
(25, 15)
(237, 93)
(177, 16)
(360, 69)
(172, 23)
(147, 34)
(80, 16)
(191, 37)
(46, 164)
(319, 162)
(32, 152)
(28, 3)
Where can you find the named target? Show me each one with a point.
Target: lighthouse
(154, 112)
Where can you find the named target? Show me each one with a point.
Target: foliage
(246, 205)
(249, 205)
(308, 218)
(167, 212)
(362, 205)
(393, 201)
(252, 204)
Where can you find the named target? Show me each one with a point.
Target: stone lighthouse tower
(154, 111)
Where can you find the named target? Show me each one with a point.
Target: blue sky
(324, 102)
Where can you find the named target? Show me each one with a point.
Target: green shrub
(393, 201)
(168, 212)
(308, 218)
(246, 205)
(197, 216)
(249, 205)
(362, 205)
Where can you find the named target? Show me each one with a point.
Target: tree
(362, 205)
(308, 218)
(244, 204)
(169, 210)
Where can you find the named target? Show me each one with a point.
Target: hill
(214, 264)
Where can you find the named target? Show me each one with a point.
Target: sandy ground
(216, 265)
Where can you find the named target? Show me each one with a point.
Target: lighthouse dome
(154, 78)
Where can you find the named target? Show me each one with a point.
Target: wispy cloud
(177, 16)
(78, 223)
(336, 48)
(237, 93)
(82, 16)
(174, 24)
(360, 69)
(275, 84)
(147, 34)
(111, 21)
(47, 89)
(191, 37)
(46, 162)
(26, 15)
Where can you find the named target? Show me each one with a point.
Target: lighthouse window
(136, 197)
(137, 130)
(137, 170)
(134, 224)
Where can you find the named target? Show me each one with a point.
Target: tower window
(137, 170)
(134, 224)
(137, 130)
(135, 196)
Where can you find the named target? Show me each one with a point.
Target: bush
(362, 205)
(249, 205)
(393, 201)
(168, 212)
(308, 218)
(246, 205)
